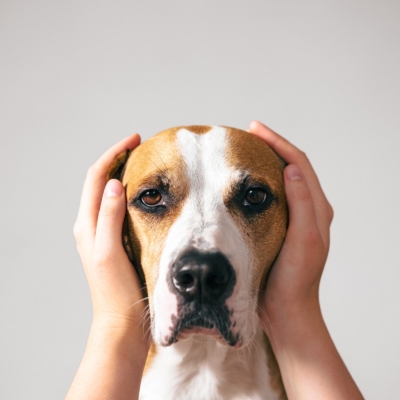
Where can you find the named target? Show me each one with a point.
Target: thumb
(110, 220)
(302, 220)
(113, 282)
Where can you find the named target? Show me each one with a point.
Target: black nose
(202, 276)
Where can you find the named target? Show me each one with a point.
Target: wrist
(286, 321)
(113, 363)
(123, 334)
(310, 364)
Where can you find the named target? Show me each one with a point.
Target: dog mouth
(210, 320)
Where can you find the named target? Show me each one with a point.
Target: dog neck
(201, 366)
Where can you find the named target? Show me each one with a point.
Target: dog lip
(199, 322)
(211, 322)
(198, 330)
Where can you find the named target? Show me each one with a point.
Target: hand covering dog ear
(116, 171)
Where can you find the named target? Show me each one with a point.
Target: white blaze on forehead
(209, 177)
(208, 174)
(205, 223)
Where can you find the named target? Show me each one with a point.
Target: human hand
(290, 312)
(114, 285)
(293, 282)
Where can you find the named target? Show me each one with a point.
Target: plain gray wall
(77, 76)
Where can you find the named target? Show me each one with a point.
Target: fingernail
(293, 173)
(253, 125)
(113, 188)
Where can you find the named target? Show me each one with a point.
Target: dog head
(206, 217)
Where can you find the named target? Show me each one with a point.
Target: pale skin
(290, 312)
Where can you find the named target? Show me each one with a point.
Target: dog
(206, 218)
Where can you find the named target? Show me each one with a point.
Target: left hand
(114, 285)
(290, 311)
(293, 282)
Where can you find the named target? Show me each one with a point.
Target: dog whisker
(163, 174)
(148, 331)
(145, 315)
(166, 169)
(137, 302)
(145, 319)
(261, 321)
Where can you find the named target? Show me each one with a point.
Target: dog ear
(283, 162)
(117, 167)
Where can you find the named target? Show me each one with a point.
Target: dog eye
(255, 197)
(151, 197)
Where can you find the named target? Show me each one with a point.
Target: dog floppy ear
(116, 171)
(117, 167)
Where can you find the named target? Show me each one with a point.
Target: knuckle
(92, 171)
(302, 155)
(300, 158)
(312, 239)
(331, 213)
(79, 248)
(102, 259)
(328, 210)
(77, 230)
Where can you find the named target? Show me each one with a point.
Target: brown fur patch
(198, 129)
(115, 171)
(150, 357)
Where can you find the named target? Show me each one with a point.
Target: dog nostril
(184, 280)
(214, 280)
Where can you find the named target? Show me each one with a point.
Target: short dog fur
(206, 217)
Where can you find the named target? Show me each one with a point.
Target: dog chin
(203, 334)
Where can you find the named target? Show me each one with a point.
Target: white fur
(200, 367)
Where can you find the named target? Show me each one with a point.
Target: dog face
(206, 219)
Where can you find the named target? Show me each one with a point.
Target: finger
(108, 239)
(303, 233)
(111, 268)
(292, 155)
(94, 186)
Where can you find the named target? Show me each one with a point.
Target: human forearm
(310, 364)
(112, 365)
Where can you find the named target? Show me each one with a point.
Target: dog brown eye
(151, 197)
(255, 197)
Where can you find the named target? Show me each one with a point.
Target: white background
(77, 76)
